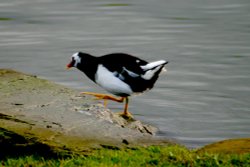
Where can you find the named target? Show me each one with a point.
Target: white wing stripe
(150, 73)
(132, 74)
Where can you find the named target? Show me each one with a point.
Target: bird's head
(75, 60)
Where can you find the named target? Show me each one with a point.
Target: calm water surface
(204, 97)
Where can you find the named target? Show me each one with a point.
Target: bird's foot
(126, 115)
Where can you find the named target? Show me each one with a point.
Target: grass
(150, 156)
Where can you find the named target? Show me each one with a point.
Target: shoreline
(36, 113)
(60, 117)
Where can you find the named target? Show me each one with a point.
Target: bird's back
(128, 69)
(117, 61)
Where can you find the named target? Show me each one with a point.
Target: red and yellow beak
(71, 64)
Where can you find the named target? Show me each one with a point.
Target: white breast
(108, 81)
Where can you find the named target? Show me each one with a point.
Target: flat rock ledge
(51, 114)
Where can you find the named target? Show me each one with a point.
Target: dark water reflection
(205, 95)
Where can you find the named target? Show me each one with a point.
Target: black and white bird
(118, 73)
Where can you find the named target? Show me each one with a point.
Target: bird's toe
(127, 115)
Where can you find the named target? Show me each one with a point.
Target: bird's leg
(105, 103)
(126, 114)
(126, 106)
(104, 97)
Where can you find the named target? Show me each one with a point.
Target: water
(204, 97)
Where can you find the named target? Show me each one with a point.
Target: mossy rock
(231, 146)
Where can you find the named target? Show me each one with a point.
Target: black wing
(127, 68)
(123, 63)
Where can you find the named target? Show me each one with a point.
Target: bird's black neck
(88, 65)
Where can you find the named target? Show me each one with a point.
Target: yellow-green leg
(105, 97)
(126, 114)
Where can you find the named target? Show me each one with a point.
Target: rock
(60, 117)
(229, 146)
(103, 113)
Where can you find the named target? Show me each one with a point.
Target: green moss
(232, 146)
(12, 81)
(23, 138)
(14, 145)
